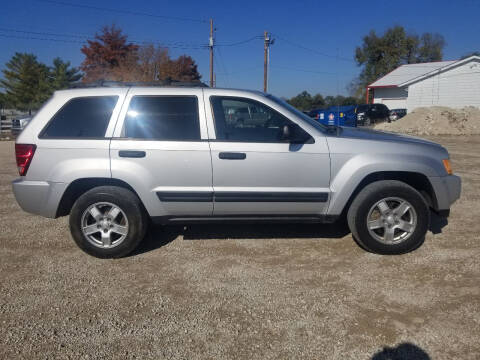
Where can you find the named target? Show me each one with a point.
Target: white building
(444, 83)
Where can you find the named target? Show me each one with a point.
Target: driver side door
(255, 171)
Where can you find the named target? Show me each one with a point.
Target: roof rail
(159, 83)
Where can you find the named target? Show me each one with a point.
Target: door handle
(232, 156)
(132, 153)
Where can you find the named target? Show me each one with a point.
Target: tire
(378, 222)
(367, 121)
(112, 238)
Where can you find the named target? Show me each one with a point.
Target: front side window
(82, 117)
(247, 120)
(167, 118)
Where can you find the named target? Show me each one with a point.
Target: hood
(369, 134)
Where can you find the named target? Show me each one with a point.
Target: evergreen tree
(25, 81)
(62, 75)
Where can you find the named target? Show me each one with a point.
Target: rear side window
(82, 117)
(167, 118)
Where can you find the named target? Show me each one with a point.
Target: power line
(43, 36)
(307, 71)
(43, 33)
(312, 50)
(176, 45)
(120, 11)
(38, 38)
(241, 42)
(242, 70)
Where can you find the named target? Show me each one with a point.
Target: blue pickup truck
(336, 115)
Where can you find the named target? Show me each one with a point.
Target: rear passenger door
(161, 149)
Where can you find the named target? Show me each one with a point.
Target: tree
(102, 55)
(152, 63)
(4, 104)
(26, 82)
(380, 55)
(302, 101)
(318, 102)
(329, 101)
(29, 83)
(430, 48)
(305, 102)
(182, 69)
(111, 57)
(144, 65)
(62, 75)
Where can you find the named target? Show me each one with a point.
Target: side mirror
(286, 133)
(295, 135)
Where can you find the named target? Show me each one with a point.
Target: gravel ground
(243, 291)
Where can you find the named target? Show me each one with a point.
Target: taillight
(24, 154)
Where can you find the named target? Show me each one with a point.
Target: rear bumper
(447, 190)
(38, 197)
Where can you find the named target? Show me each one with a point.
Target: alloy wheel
(391, 220)
(104, 225)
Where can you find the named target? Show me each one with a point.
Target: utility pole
(266, 59)
(210, 45)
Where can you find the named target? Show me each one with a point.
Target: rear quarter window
(81, 117)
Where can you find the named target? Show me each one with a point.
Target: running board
(325, 219)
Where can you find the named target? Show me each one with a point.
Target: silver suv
(115, 157)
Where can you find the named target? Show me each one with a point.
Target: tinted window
(362, 108)
(82, 117)
(163, 118)
(383, 108)
(239, 119)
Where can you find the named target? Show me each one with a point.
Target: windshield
(297, 112)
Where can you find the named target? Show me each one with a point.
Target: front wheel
(108, 222)
(389, 217)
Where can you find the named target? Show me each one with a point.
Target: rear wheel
(108, 222)
(389, 217)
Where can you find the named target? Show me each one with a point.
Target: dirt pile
(437, 120)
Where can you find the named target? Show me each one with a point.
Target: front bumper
(38, 197)
(447, 190)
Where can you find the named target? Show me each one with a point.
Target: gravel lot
(243, 291)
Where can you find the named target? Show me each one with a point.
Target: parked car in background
(336, 115)
(250, 116)
(372, 113)
(396, 114)
(19, 124)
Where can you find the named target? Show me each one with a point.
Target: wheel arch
(79, 186)
(416, 180)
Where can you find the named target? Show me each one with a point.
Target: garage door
(398, 103)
